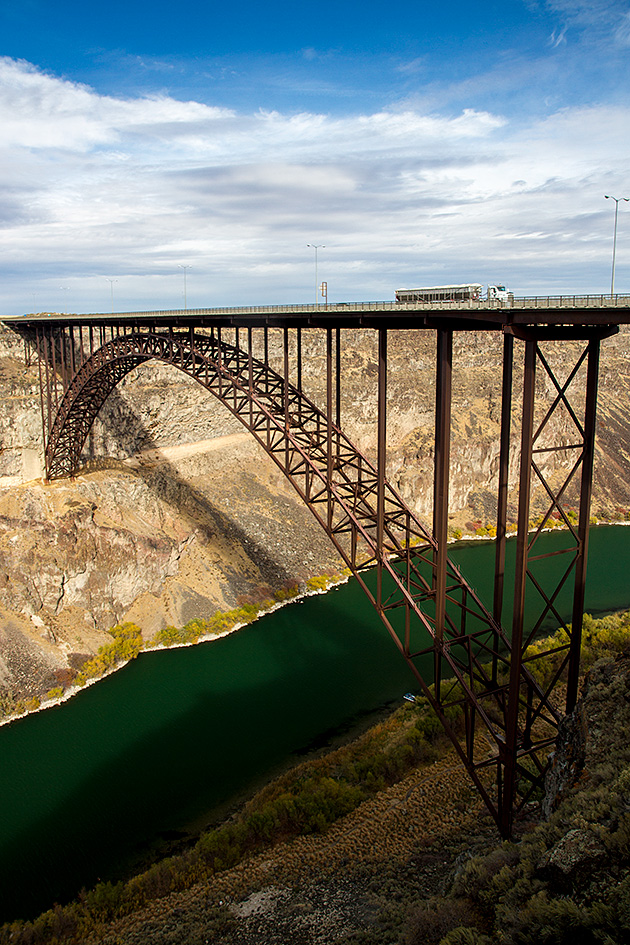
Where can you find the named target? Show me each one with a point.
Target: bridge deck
(459, 316)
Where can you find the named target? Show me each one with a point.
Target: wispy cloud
(604, 17)
(622, 34)
(413, 66)
(558, 37)
(98, 186)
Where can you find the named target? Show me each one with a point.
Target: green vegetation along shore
(127, 642)
(515, 892)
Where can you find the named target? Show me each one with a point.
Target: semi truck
(468, 292)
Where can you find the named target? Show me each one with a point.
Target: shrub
(127, 644)
(466, 936)
(436, 918)
(545, 921)
(321, 583)
(55, 693)
(7, 704)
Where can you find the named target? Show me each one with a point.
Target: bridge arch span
(424, 602)
(367, 521)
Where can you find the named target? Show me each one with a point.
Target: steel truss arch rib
(341, 488)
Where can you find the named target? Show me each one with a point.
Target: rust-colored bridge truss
(462, 653)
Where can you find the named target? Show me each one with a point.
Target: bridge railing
(573, 301)
(603, 300)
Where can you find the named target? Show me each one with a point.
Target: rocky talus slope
(179, 513)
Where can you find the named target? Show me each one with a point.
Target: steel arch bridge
(430, 611)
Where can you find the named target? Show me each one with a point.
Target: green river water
(170, 742)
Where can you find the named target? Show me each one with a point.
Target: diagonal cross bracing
(422, 599)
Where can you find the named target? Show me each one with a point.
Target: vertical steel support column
(329, 430)
(586, 488)
(299, 370)
(299, 358)
(338, 386)
(285, 389)
(219, 359)
(72, 358)
(286, 396)
(193, 357)
(62, 360)
(503, 487)
(250, 371)
(443, 384)
(48, 344)
(381, 462)
(53, 349)
(520, 581)
(40, 344)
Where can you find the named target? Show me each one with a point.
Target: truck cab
(499, 293)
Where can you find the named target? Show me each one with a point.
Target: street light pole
(616, 199)
(185, 299)
(316, 247)
(65, 288)
(111, 286)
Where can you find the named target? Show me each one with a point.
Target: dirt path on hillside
(171, 454)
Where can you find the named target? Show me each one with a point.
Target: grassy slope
(512, 894)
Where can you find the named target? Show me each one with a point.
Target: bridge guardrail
(601, 300)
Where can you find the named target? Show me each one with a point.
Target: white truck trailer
(468, 292)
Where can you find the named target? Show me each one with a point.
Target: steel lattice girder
(369, 524)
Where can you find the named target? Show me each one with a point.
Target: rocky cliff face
(180, 512)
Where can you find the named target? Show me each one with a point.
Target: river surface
(170, 742)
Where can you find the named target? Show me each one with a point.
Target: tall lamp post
(316, 247)
(185, 299)
(616, 199)
(65, 288)
(111, 286)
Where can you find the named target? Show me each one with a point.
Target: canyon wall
(179, 513)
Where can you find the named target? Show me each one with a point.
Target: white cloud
(97, 186)
(40, 111)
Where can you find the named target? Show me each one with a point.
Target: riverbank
(350, 884)
(191, 635)
(193, 732)
(223, 623)
(398, 867)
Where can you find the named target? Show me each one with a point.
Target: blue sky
(419, 143)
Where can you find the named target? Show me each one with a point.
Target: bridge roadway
(567, 310)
